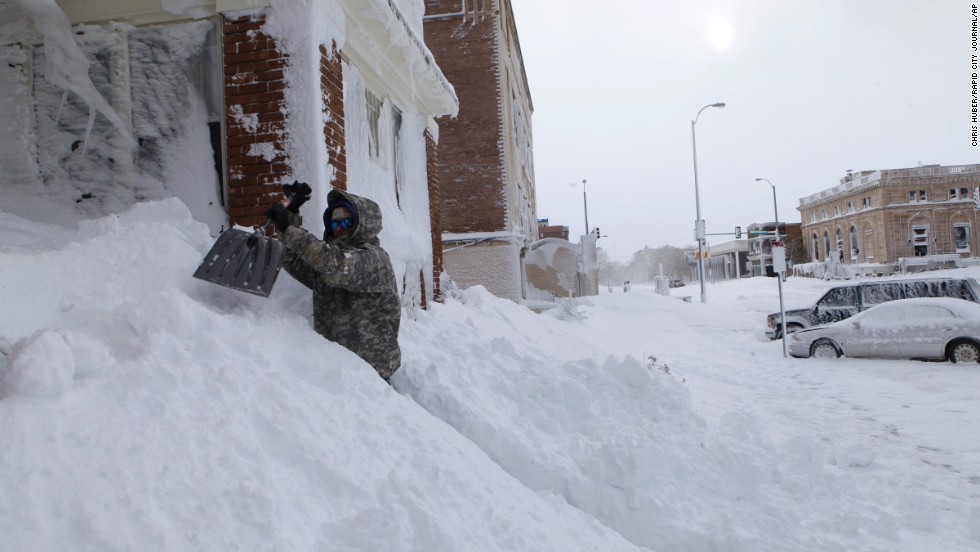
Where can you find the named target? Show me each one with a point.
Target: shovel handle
(285, 203)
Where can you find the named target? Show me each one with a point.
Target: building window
(850, 206)
(952, 194)
(922, 195)
(823, 214)
(961, 237)
(964, 193)
(836, 210)
(396, 132)
(911, 196)
(866, 203)
(374, 117)
(920, 241)
(816, 248)
(855, 251)
(826, 245)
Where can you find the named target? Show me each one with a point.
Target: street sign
(778, 257)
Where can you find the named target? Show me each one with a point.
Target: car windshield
(838, 297)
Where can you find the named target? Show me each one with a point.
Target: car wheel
(963, 351)
(824, 348)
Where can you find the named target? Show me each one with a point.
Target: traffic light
(738, 232)
(597, 232)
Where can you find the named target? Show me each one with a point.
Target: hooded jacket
(355, 294)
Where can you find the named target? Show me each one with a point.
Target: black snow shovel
(246, 261)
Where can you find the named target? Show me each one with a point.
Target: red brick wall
(435, 215)
(254, 83)
(471, 160)
(332, 86)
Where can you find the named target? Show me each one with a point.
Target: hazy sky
(813, 88)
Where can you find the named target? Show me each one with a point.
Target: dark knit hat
(328, 213)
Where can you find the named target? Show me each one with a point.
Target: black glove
(300, 193)
(279, 216)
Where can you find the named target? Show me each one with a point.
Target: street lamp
(699, 224)
(779, 274)
(585, 204)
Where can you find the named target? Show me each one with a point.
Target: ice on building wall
(394, 176)
(171, 112)
(300, 28)
(67, 66)
(17, 160)
(150, 80)
(150, 74)
(393, 173)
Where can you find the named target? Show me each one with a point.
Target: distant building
(488, 205)
(726, 261)
(886, 216)
(760, 238)
(546, 230)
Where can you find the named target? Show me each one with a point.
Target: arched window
(855, 251)
(816, 248)
(826, 245)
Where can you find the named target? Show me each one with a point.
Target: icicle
(64, 98)
(66, 65)
(88, 127)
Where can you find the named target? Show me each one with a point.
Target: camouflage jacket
(355, 295)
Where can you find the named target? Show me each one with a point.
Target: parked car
(842, 302)
(935, 328)
(676, 283)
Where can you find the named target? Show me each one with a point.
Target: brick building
(488, 206)
(337, 93)
(546, 230)
(887, 215)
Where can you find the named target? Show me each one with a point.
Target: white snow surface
(141, 409)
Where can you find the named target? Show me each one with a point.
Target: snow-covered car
(937, 328)
(677, 283)
(844, 301)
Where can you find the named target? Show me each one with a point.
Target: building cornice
(849, 187)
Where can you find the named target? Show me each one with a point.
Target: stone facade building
(889, 215)
(488, 205)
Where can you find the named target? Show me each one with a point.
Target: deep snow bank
(141, 409)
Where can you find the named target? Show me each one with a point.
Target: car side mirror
(816, 309)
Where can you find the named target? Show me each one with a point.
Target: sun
(721, 35)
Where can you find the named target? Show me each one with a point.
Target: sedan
(939, 328)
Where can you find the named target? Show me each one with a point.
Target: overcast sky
(813, 88)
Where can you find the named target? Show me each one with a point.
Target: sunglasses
(344, 223)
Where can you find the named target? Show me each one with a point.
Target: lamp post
(585, 204)
(699, 224)
(779, 274)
